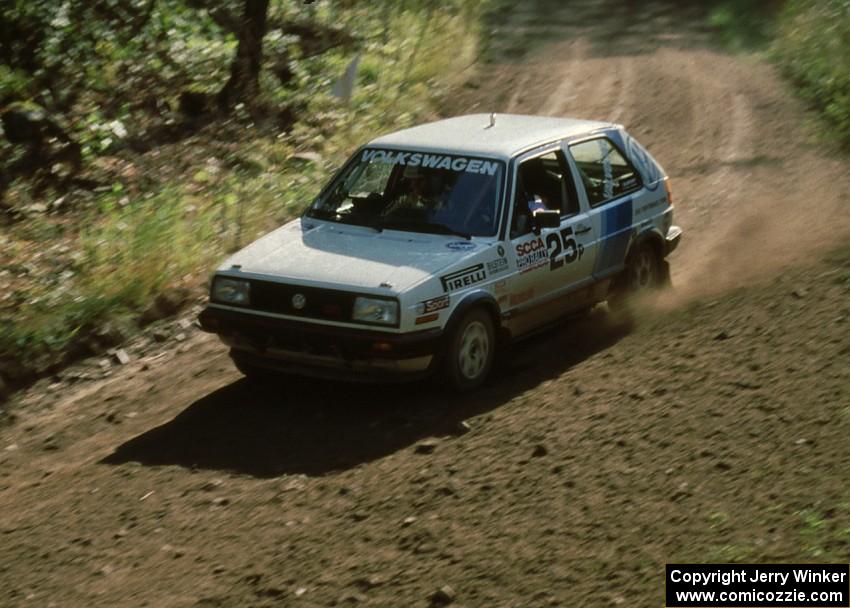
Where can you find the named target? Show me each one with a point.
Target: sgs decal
(563, 242)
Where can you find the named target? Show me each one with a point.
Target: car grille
(328, 304)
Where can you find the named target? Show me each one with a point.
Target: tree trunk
(244, 82)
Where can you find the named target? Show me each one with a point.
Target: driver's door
(548, 263)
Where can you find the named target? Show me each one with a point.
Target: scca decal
(463, 278)
(529, 247)
(435, 304)
(531, 254)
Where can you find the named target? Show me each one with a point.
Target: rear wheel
(644, 274)
(471, 351)
(643, 271)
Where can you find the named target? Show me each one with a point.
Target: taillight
(669, 190)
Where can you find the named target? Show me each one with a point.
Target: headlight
(231, 291)
(374, 310)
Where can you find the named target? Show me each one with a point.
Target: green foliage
(824, 533)
(810, 41)
(14, 84)
(236, 180)
(813, 48)
(92, 63)
(744, 25)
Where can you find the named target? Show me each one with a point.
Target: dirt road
(715, 431)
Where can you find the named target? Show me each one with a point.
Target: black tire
(645, 273)
(471, 351)
(253, 372)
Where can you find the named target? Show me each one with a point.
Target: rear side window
(605, 172)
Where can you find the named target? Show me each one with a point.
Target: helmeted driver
(417, 193)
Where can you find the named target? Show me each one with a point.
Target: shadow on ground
(313, 427)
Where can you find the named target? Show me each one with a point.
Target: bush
(69, 275)
(813, 48)
(745, 25)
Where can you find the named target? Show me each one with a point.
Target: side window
(605, 172)
(543, 182)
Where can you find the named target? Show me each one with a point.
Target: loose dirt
(715, 431)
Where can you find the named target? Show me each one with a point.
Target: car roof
(472, 134)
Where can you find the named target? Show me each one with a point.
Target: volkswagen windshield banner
(764, 585)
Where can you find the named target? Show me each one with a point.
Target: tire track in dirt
(746, 190)
(725, 171)
(514, 105)
(724, 141)
(619, 113)
(698, 102)
(566, 91)
(583, 97)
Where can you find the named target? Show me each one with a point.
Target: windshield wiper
(320, 214)
(338, 218)
(423, 226)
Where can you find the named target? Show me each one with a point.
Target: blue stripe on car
(616, 233)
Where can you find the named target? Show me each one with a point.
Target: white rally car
(434, 245)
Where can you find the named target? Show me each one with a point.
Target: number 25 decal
(558, 242)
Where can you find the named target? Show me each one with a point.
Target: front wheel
(471, 351)
(252, 372)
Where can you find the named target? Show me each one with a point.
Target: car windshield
(416, 192)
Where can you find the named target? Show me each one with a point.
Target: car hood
(355, 256)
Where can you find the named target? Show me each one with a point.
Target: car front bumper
(325, 351)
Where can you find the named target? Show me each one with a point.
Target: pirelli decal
(463, 278)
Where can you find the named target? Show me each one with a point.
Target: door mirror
(547, 218)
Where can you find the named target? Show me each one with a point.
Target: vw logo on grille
(299, 301)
